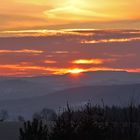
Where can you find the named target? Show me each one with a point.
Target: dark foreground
(87, 123)
(9, 130)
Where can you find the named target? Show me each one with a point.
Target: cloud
(63, 53)
(112, 40)
(37, 14)
(49, 61)
(134, 70)
(52, 70)
(22, 51)
(73, 13)
(88, 61)
(60, 52)
(41, 32)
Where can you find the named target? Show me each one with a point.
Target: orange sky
(42, 37)
(60, 14)
(43, 52)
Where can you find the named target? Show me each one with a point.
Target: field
(9, 130)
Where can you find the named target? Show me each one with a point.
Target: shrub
(34, 130)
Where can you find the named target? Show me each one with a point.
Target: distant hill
(27, 87)
(111, 94)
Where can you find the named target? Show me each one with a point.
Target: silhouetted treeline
(87, 123)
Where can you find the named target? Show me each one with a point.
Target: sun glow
(76, 71)
(58, 14)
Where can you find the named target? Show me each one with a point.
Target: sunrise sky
(60, 14)
(43, 37)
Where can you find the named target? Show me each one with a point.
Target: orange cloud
(49, 62)
(134, 70)
(22, 51)
(43, 32)
(88, 61)
(61, 52)
(110, 40)
(20, 67)
(52, 70)
(30, 70)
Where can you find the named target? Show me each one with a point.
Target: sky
(45, 37)
(63, 14)
(69, 51)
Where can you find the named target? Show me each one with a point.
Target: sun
(76, 71)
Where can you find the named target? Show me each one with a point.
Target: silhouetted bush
(34, 130)
(65, 126)
(87, 123)
(92, 124)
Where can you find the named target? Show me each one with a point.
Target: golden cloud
(53, 70)
(43, 32)
(22, 51)
(88, 61)
(112, 40)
